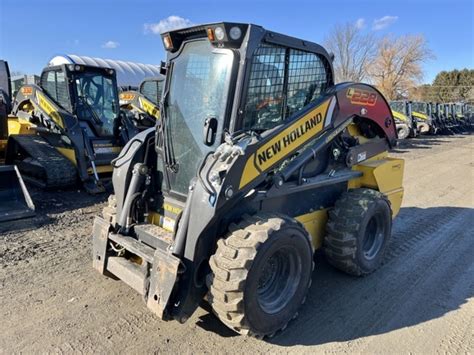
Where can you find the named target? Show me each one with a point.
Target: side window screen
(160, 90)
(62, 90)
(264, 104)
(282, 81)
(54, 83)
(152, 90)
(48, 83)
(307, 79)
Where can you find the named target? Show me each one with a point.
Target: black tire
(261, 274)
(358, 229)
(402, 131)
(413, 132)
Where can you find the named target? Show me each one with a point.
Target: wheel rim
(279, 280)
(374, 236)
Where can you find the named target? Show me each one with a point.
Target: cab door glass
(264, 103)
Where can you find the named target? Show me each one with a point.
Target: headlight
(235, 33)
(220, 34)
(77, 67)
(167, 42)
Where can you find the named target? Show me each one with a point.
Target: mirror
(209, 131)
(163, 68)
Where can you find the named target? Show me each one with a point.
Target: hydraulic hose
(138, 174)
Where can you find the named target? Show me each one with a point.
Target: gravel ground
(420, 301)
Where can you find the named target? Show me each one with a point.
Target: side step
(154, 236)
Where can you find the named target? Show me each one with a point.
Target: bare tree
(353, 51)
(398, 65)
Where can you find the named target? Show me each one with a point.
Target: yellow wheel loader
(67, 127)
(142, 106)
(258, 160)
(15, 201)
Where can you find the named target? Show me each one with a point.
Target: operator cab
(90, 93)
(399, 106)
(205, 97)
(419, 107)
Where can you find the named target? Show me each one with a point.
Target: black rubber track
(44, 166)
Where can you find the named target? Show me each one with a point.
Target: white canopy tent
(128, 73)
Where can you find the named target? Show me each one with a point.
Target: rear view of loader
(403, 121)
(15, 201)
(259, 159)
(422, 118)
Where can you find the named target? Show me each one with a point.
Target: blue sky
(33, 31)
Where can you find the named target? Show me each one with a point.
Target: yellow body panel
(315, 223)
(68, 153)
(385, 174)
(288, 140)
(420, 115)
(167, 223)
(20, 126)
(400, 116)
(50, 110)
(102, 169)
(381, 173)
(71, 156)
(150, 107)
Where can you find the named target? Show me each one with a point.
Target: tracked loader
(403, 121)
(67, 127)
(258, 160)
(142, 106)
(15, 200)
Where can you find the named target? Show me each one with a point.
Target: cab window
(152, 90)
(282, 81)
(54, 83)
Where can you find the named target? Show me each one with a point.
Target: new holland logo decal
(285, 142)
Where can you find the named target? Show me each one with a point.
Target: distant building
(129, 74)
(20, 80)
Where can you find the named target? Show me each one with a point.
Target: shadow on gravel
(422, 142)
(407, 290)
(49, 203)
